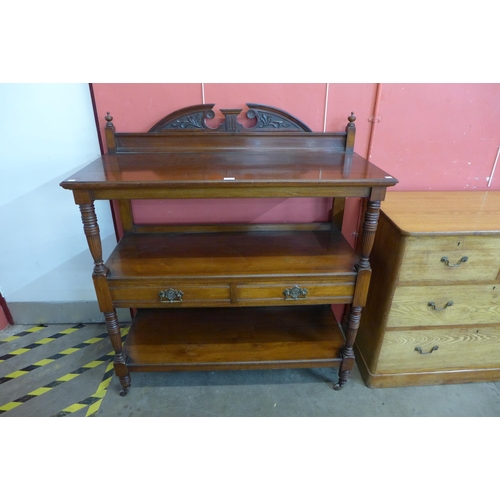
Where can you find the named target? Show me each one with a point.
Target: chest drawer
(445, 305)
(450, 349)
(451, 258)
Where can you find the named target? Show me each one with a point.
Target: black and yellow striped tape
(61, 380)
(22, 334)
(37, 343)
(94, 401)
(50, 359)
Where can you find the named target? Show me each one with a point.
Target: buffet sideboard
(231, 296)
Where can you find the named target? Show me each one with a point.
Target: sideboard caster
(343, 376)
(125, 382)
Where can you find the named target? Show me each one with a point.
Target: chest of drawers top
(444, 212)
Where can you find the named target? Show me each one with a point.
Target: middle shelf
(243, 268)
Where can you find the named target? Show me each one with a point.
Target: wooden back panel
(186, 130)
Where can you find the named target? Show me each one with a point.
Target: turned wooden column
(347, 351)
(99, 274)
(362, 284)
(119, 361)
(369, 229)
(91, 230)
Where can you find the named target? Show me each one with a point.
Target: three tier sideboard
(231, 296)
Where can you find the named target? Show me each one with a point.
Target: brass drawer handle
(170, 295)
(447, 262)
(433, 305)
(419, 350)
(295, 293)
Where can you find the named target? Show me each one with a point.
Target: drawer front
(172, 295)
(294, 293)
(440, 349)
(445, 305)
(451, 258)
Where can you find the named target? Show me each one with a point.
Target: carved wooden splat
(193, 118)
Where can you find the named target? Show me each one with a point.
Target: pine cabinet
(433, 312)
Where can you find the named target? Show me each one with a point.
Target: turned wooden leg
(99, 276)
(120, 365)
(369, 230)
(361, 292)
(347, 351)
(91, 230)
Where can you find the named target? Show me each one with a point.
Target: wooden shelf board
(236, 338)
(204, 255)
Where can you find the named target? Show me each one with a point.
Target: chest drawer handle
(419, 350)
(447, 262)
(433, 305)
(170, 295)
(295, 293)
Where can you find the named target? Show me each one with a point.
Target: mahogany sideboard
(231, 296)
(437, 259)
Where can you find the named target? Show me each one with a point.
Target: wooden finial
(351, 132)
(109, 119)
(109, 131)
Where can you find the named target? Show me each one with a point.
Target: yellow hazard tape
(40, 342)
(48, 387)
(50, 359)
(23, 333)
(93, 402)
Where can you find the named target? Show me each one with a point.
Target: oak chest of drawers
(433, 311)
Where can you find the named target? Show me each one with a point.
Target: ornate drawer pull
(447, 262)
(170, 295)
(295, 293)
(419, 350)
(433, 305)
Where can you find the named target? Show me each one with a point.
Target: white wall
(47, 132)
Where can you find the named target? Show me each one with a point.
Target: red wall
(3, 320)
(429, 136)
(439, 136)
(4, 323)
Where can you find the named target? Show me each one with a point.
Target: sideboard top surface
(449, 212)
(244, 168)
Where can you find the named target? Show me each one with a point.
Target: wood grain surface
(458, 348)
(422, 259)
(243, 338)
(472, 304)
(446, 212)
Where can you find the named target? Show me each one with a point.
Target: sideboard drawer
(451, 258)
(293, 293)
(170, 295)
(439, 349)
(445, 305)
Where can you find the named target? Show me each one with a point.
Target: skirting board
(35, 313)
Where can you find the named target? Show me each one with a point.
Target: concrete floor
(70, 374)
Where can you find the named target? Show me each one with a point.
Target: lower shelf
(233, 338)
